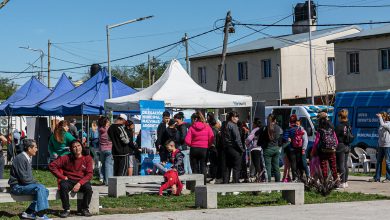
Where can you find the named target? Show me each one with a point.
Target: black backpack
(262, 137)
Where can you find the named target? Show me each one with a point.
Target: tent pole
(39, 137)
(251, 119)
(82, 124)
(88, 131)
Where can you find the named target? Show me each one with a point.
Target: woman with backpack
(271, 139)
(325, 145)
(345, 138)
(384, 147)
(297, 140)
(233, 147)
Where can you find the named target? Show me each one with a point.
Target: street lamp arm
(129, 21)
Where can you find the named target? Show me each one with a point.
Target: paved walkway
(347, 210)
(361, 184)
(350, 210)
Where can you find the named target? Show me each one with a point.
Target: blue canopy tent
(25, 99)
(88, 98)
(63, 86)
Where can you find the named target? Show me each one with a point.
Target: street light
(42, 54)
(108, 27)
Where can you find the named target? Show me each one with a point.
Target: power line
(354, 6)
(66, 61)
(242, 37)
(314, 25)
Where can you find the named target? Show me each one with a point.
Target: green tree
(137, 76)
(7, 88)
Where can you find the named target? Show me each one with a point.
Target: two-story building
(363, 60)
(274, 67)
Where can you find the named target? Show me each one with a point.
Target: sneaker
(25, 215)
(44, 217)
(236, 193)
(65, 213)
(84, 212)
(373, 180)
(346, 185)
(386, 181)
(341, 186)
(218, 181)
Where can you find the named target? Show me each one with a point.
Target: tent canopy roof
(86, 99)
(25, 98)
(178, 90)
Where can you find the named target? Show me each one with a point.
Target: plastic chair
(362, 155)
(371, 152)
(352, 164)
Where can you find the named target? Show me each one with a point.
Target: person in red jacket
(74, 172)
(200, 137)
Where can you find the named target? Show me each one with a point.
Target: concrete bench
(206, 196)
(6, 196)
(117, 184)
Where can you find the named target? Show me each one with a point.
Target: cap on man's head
(122, 116)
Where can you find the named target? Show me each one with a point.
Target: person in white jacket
(257, 156)
(383, 147)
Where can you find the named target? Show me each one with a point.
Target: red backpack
(297, 141)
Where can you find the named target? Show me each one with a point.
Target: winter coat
(199, 135)
(231, 137)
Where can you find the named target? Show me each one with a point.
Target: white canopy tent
(178, 90)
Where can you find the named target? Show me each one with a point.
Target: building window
(202, 75)
(385, 59)
(266, 68)
(242, 71)
(330, 66)
(353, 62)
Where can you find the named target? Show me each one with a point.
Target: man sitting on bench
(22, 182)
(74, 172)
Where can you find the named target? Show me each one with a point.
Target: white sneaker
(236, 193)
(346, 185)
(223, 194)
(28, 216)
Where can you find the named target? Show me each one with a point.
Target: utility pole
(153, 70)
(280, 85)
(48, 63)
(311, 61)
(185, 41)
(227, 29)
(150, 79)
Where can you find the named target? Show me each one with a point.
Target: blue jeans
(186, 161)
(382, 152)
(161, 168)
(107, 165)
(39, 191)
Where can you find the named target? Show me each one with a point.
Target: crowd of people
(224, 152)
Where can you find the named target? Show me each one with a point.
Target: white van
(306, 113)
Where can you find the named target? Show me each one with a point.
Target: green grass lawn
(152, 203)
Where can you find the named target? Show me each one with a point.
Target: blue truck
(363, 107)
